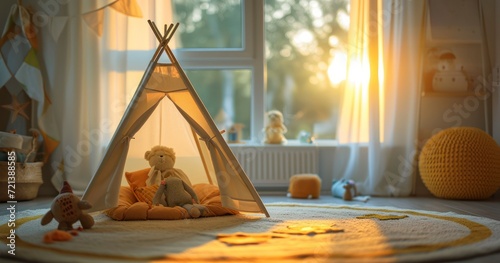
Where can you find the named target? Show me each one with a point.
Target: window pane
(209, 24)
(305, 50)
(226, 95)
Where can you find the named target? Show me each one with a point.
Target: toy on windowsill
(275, 128)
(234, 133)
(175, 192)
(162, 160)
(67, 209)
(305, 137)
(346, 189)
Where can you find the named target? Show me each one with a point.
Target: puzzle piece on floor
(382, 217)
(240, 238)
(307, 229)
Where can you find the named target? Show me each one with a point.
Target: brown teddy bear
(162, 160)
(67, 209)
(275, 128)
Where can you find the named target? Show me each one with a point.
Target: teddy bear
(175, 192)
(67, 209)
(275, 128)
(162, 160)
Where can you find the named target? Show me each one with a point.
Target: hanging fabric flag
(18, 47)
(93, 12)
(56, 24)
(127, 7)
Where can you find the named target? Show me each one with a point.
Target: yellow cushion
(461, 163)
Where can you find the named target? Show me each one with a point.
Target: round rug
(320, 233)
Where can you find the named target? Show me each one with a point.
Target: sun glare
(304, 41)
(355, 72)
(337, 70)
(359, 73)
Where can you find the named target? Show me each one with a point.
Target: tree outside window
(305, 42)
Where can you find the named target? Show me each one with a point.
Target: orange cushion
(145, 194)
(137, 178)
(137, 182)
(135, 202)
(207, 194)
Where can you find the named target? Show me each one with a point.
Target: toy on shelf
(449, 76)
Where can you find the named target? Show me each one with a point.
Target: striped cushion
(146, 193)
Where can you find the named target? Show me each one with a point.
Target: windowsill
(289, 143)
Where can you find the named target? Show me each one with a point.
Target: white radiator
(274, 165)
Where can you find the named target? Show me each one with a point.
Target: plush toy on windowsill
(275, 128)
(67, 209)
(162, 160)
(175, 192)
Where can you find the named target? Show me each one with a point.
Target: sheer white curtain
(94, 53)
(379, 114)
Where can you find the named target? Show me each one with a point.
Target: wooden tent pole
(160, 38)
(169, 32)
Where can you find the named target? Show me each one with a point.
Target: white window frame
(251, 57)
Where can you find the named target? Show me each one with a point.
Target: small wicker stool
(305, 186)
(461, 163)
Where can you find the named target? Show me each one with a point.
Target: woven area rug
(294, 232)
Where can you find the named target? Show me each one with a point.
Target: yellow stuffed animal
(275, 128)
(162, 160)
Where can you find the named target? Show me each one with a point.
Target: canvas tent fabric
(167, 81)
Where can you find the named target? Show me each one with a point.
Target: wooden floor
(487, 208)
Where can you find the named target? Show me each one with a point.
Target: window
(210, 24)
(226, 95)
(248, 57)
(302, 40)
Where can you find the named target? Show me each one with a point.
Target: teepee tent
(168, 81)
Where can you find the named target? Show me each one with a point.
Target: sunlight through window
(359, 73)
(337, 70)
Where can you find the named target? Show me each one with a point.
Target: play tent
(219, 165)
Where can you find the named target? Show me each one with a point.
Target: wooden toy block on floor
(305, 186)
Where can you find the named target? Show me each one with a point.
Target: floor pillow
(134, 202)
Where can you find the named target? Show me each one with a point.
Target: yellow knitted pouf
(305, 186)
(461, 163)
